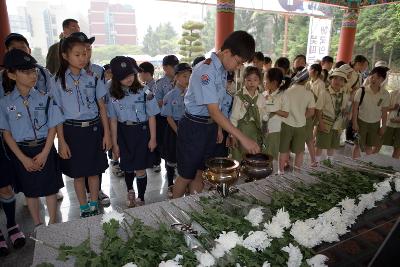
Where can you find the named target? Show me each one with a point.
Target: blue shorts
(196, 143)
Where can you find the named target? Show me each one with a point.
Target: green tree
(151, 42)
(190, 43)
(162, 40)
(208, 32)
(297, 35)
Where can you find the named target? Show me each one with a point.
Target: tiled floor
(69, 209)
(69, 206)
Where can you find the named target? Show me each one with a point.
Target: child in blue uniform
(85, 136)
(146, 73)
(96, 71)
(162, 87)
(29, 118)
(197, 132)
(44, 80)
(173, 109)
(132, 109)
(222, 149)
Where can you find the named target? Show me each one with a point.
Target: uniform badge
(207, 61)
(114, 100)
(205, 80)
(11, 108)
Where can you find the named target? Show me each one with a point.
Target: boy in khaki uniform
(293, 132)
(367, 117)
(331, 106)
(392, 133)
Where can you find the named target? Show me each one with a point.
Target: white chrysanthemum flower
(303, 234)
(107, 217)
(382, 189)
(366, 201)
(257, 241)
(317, 261)
(226, 242)
(205, 259)
(397, 184)
(169, 263)
(348, 211)
(295, 255)
(282, 217)
(130, 264)
(274, 229)
(255, 216)
(325, 232)
(266, 264)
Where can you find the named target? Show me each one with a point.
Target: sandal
(16, 236)
(3, 246)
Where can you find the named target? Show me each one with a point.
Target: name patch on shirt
(205, 80)
(11, 108)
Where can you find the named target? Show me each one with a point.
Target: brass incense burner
(223, 173)
(256, 167)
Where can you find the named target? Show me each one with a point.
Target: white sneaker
(59, 195)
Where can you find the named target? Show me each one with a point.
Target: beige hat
(381, 63)
(346, 68)
(338, 72)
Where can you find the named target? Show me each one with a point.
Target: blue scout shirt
(78, 100)
(26, 118)
(97, 71)
(162, 87)
(151, 85)
(226, 106)
(207, 85)
(173, 104)
(43, 83)
(132, 107)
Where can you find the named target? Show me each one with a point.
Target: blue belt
(32, 143)
(79, 123)
(199, 119)
(133, 123)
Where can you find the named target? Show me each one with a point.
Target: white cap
(381, 63)
(338, 72)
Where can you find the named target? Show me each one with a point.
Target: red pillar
(224, 21)
(4, 27)
(348, 34)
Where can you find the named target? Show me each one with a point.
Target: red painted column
(348, 34)
(225, 18)
(4, 27)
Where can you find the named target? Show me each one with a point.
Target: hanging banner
(319, 34)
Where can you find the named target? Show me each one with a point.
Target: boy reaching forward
(197, 131)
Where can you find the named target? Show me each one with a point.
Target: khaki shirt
(394, 99)
(327, 102)
(275, 102)
(316, 86)
(299, 99)
(239, 108)
(371, 108)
